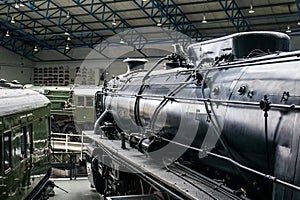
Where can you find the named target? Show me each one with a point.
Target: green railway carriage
(24, 147)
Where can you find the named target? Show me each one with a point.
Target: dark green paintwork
(27, 168)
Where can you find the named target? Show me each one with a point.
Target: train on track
(220, 121)
(24, 148)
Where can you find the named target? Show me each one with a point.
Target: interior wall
(11, 67)
(64, 70)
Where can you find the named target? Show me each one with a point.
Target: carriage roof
(19, 100)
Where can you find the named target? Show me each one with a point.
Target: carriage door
(27, 142)
(8, 182)
(1, 164)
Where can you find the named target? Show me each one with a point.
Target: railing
(67, 152)
(67, 142)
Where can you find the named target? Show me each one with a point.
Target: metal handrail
(66, 142)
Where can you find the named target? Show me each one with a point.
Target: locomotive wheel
(160, 194)
(99, 182)
(71, 129)
(55, 128)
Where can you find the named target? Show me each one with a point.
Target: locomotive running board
(138, 162)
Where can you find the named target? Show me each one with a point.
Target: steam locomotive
(24, 146)
(220, 121)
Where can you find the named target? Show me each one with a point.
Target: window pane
(23, 142)
(7, 151)
(80, 101)
(89, 101)
(30, 139)
(1, 159)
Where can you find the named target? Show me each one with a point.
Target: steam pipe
(100, 119)
(155, 65)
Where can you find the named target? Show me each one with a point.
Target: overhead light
(12, 20)
(298, 23)
(67, 47)
(22, 3)
(288, 29)
(7, 33)
(204, 20)
(36, 49)
(122, 41)
(251, 11)
(69, 38)
(114, 23)
(68, 14)
(159, 23)
(66, 33)
(17, 5)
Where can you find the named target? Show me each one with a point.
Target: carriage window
(7, 151)
(30, 139)
(80, 101)
(1, 158)
(24, 142)
(89, 101)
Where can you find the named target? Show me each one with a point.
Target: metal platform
(191, 187)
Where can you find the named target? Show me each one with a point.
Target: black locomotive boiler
(221, 121)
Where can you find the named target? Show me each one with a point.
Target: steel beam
(235, 15)
(17, 45)
(28, 37)
(106, 18)
(170, 15)
(60, 23)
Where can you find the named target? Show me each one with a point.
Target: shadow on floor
(78, 189)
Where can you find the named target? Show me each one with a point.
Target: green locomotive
(72, 108)
(61, 107)
(24, 149)
(84, 106)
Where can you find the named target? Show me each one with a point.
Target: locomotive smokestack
(135, 64)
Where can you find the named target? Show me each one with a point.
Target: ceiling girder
(81, 27)
(235, 15)
(17, 45)
(60, 23)
(44, 22)
(30, 37)
(170, 14)
(108, 14)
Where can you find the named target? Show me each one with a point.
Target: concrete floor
(77, 190)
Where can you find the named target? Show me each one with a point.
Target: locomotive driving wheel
(54, 128)
(71, 129)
